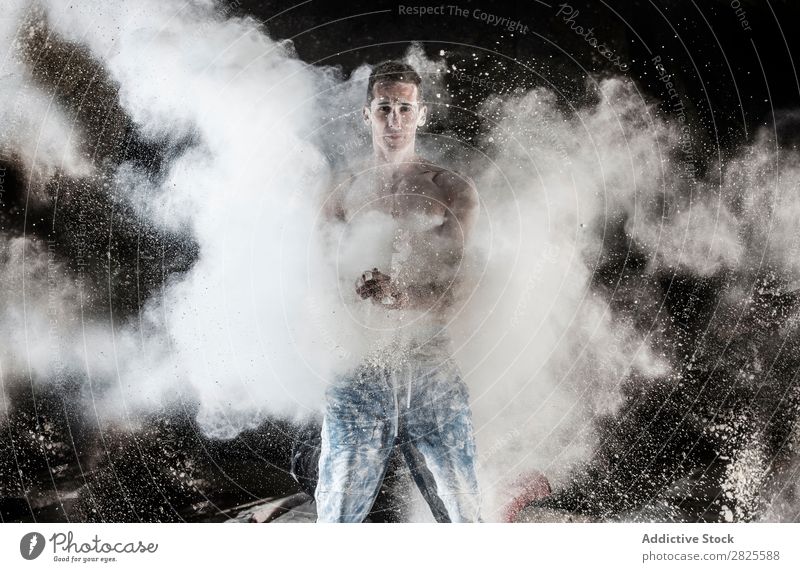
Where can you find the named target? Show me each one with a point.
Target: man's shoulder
(457, 190)
(449, 179)
(336, 190)
(341, 177)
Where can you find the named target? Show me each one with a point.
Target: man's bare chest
(405, 199)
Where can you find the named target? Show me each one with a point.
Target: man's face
(394, 115)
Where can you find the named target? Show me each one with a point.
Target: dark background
(734, 78)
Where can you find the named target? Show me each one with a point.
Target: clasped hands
(379, 287)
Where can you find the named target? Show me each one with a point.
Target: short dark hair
(393, 71)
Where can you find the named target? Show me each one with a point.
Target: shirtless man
(411, 395)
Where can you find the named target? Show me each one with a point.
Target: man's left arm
(459, 219)
(462, 209)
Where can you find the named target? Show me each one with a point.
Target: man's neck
(394, 161)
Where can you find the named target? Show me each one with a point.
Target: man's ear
(423, 116)
(365, 112)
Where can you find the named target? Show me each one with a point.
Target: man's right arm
(332, 205)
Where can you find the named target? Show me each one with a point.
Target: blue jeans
(417, 402)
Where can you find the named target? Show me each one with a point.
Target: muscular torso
(409, 192)
(416, 216)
